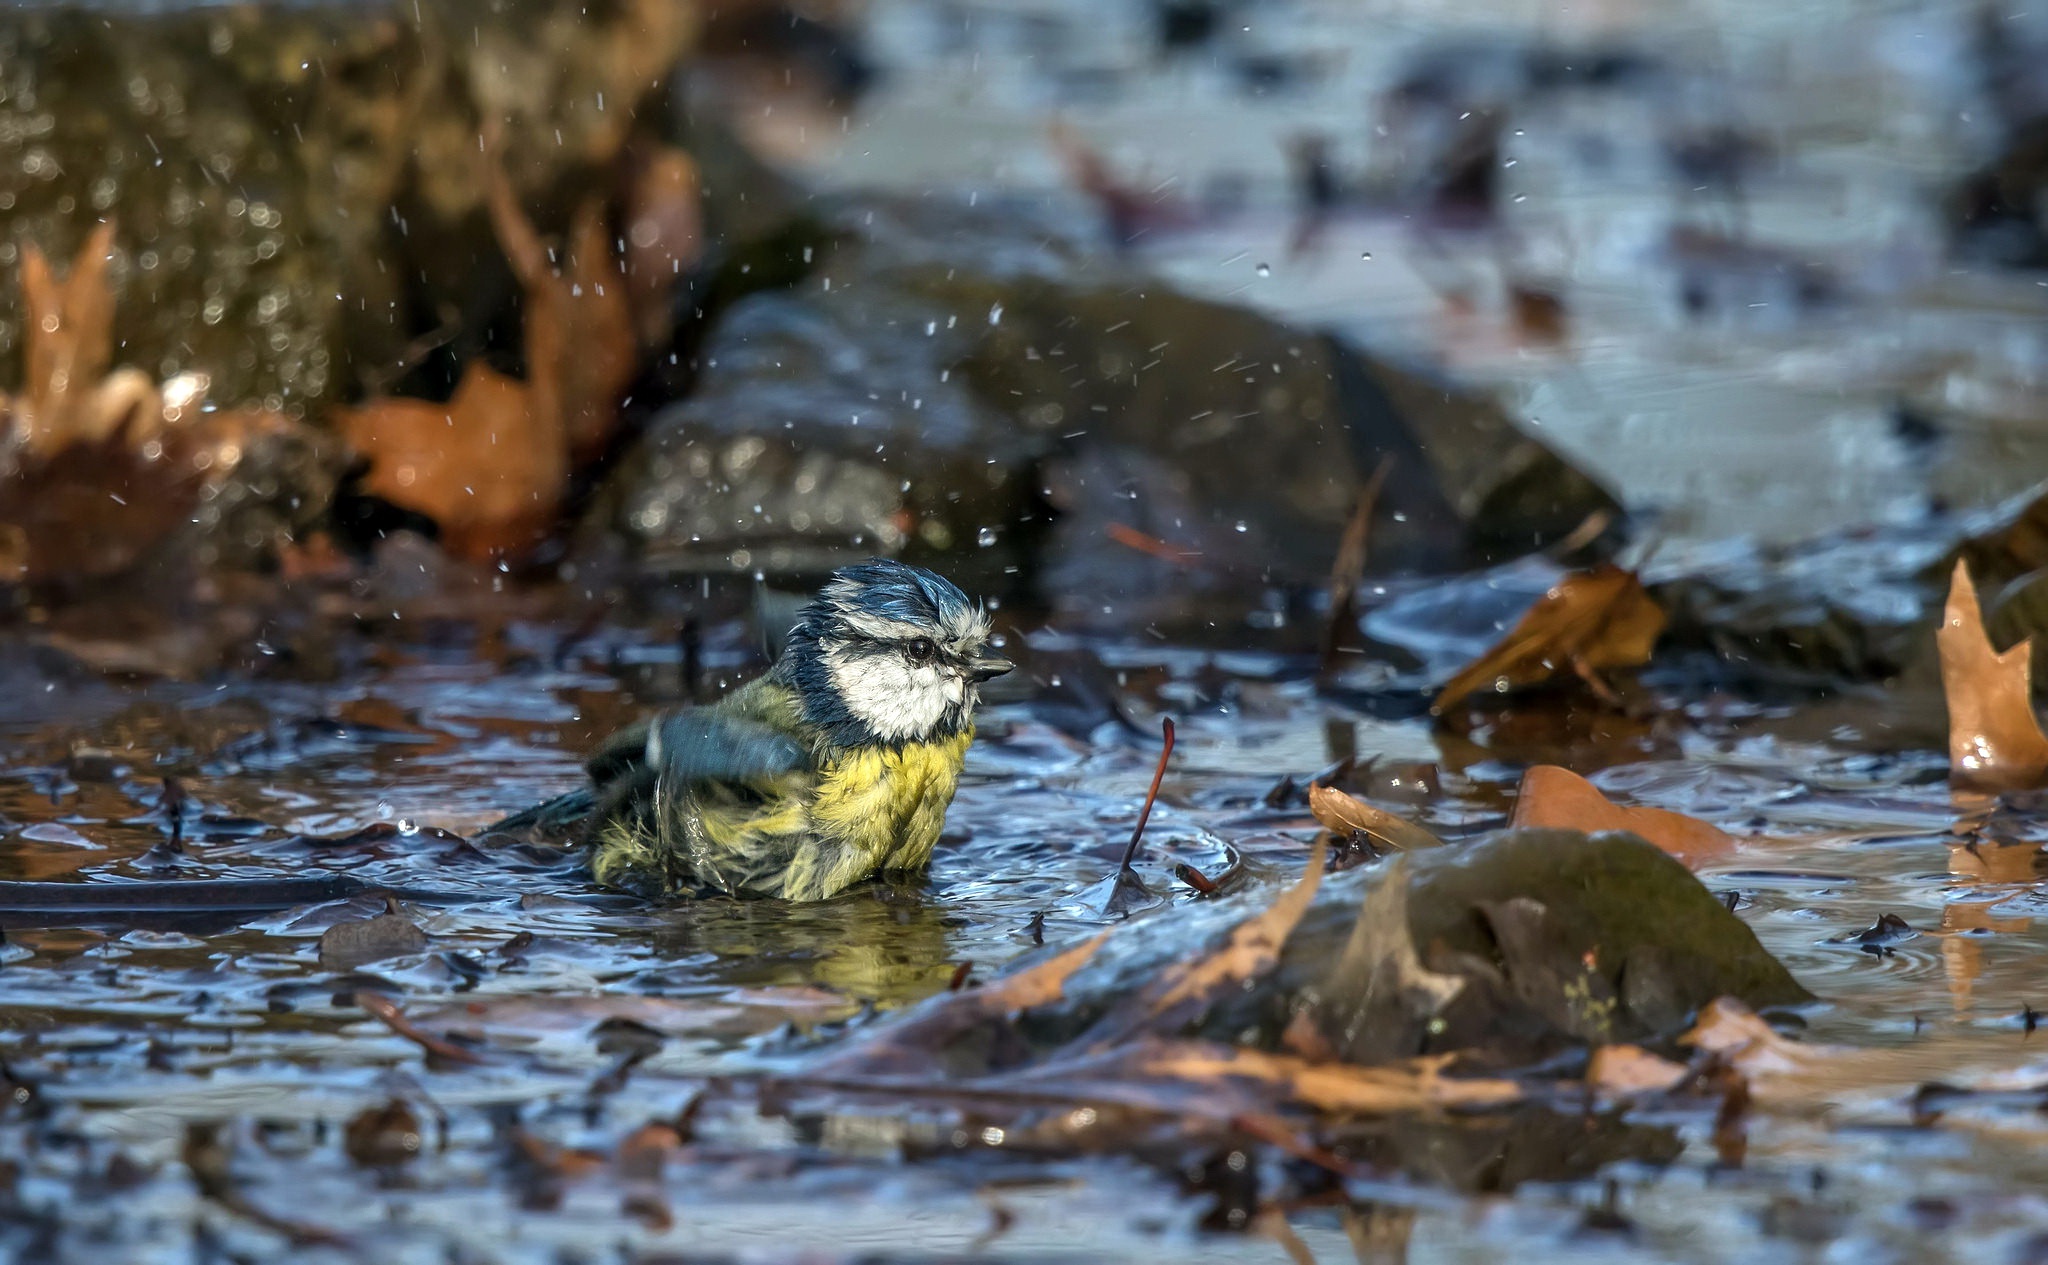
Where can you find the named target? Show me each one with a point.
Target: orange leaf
(484, 466)
(1626, 1070)
(1551, 797)
(1994, 739)
(664, 235)
(68, 341)
(1602, 618)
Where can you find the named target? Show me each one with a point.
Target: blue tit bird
(836, 766)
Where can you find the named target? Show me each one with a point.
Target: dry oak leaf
(484, 466)
(1994, 739)
(1588, 621)
(1343, 814)
(1555, 798)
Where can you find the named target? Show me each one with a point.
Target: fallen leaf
(486, 466)
(1623, 1071)
(1343, 814)
(1554, 798)
(1995, 741)
(99, 467)
(664, 235)
(1379, 963)
(68, 341)
(492, 465)
(1387, 1089)
(1588, 621)
(1185, 989)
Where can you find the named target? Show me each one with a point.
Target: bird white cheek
(892, 698)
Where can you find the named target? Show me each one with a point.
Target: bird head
(887, 654)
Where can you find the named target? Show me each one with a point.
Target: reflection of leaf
(1995, 741)
(1559, 798)
(1589, 620)
(1343, 814)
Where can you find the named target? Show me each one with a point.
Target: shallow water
(144, 1024)
(1764, 420)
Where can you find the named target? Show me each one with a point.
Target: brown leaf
(580, 334)
(1588, 621)
(1344, 813)
(68, 340)
(1185, 989)
(1390, 1088)
(1995, 741)
(664, 234)
(1555, 798)
(485, 466)
(1623, 1071)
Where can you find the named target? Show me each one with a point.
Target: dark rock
(967, 388)
(1508, 949)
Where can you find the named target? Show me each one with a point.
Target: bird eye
(919, 650)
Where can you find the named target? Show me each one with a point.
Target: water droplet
(1365, 255)
(995, 314)
(1265, 270)
(986, 537)
(407, 826)
(1243, 526)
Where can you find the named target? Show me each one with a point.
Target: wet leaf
(1388, 1089)
(348, 945)
(1623, 1071)
(1186, 989)
(1378, 976)
(1588, 621)
(1559, 798)
(1343, 814)
(1995, 741)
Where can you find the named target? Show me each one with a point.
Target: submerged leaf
(1588, 621)
(1343, 814)
(1995, 741)
(1559, 798)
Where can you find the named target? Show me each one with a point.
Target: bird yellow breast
(885, 807)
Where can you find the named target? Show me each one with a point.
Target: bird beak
(988, 667)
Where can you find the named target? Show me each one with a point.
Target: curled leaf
(1995, 741)
(1588, 621)
(1555, 798)
(1344, 814)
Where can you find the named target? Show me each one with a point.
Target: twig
(1151, 795)
(1129, 887)
(387, 1011)
(1346, 571)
